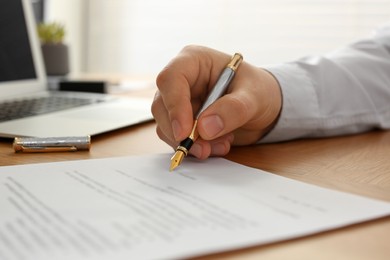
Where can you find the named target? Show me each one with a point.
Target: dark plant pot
(56, 58)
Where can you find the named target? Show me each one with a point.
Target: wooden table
(357, 164)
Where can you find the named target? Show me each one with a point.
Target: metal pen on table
(218, 90)
(51, 144)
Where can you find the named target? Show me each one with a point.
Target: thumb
(251, 106)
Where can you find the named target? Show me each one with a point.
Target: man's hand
(242, 116)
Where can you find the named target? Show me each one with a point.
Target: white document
(134, 208)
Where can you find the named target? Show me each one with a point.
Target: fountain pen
(218, 90)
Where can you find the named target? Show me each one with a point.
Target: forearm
(343, 92)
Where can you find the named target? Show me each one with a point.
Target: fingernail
(196, 150)
(218, 149)
(176, 128)
(230, 138)
(212, 125)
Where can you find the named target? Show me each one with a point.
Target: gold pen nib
(176, 159)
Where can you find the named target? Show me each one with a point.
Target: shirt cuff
(300, 103)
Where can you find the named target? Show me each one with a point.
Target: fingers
(203, 149)
(171, 107)
(251, 105)
(183, 84)
(218, 147)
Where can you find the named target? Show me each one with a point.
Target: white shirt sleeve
(344, 92)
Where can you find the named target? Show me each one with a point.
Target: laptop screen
(15, 51)
(22, 69)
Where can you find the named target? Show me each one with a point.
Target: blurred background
(139, 37)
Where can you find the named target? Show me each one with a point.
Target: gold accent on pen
(177, 157)
(218, 90)
(182, 151)
(27, 149)
(194, 133)
(235, 61)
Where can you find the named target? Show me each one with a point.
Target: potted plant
(55, 52)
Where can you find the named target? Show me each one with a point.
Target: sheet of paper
(134, 208)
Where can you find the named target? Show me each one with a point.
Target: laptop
(23, 78)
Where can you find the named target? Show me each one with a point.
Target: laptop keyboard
(36, 106)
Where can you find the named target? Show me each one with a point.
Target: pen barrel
(186, 145)
(219, 89)
(72, 142)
